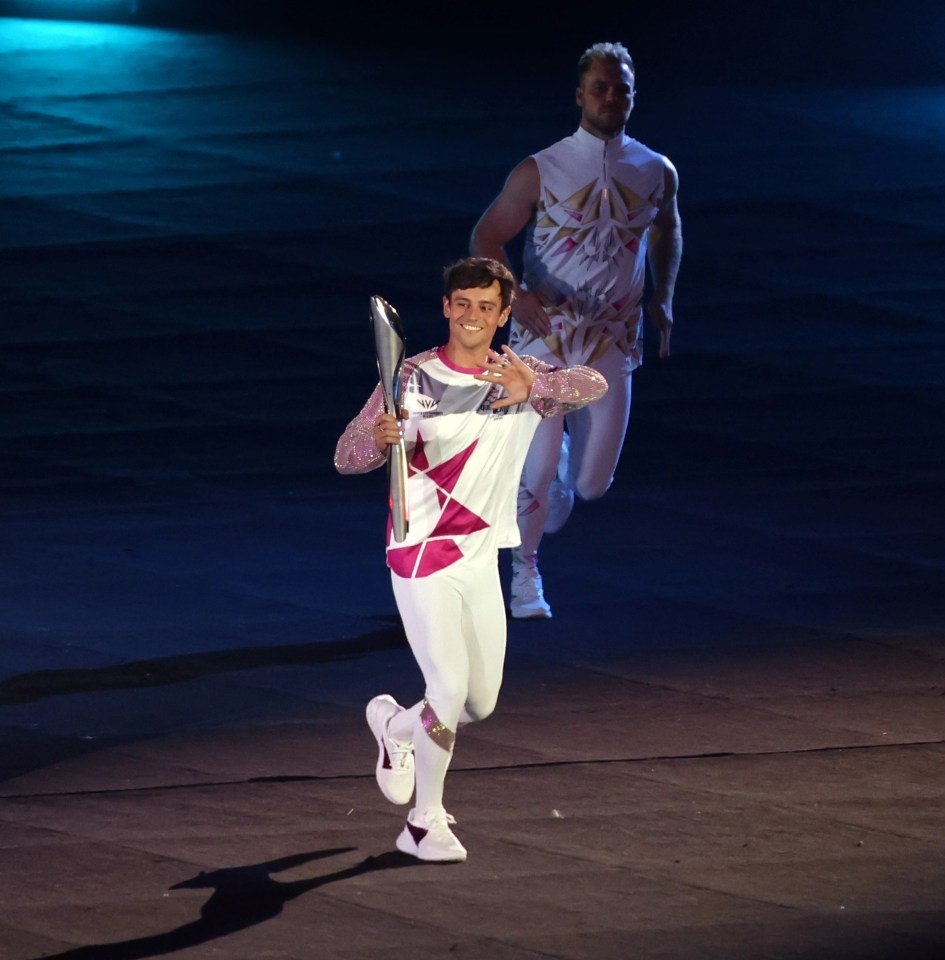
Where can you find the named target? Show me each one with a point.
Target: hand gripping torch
(390, 345)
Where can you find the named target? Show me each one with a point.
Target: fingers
(661, 317)
(387, 431)
(664, 341)
(511, 356)
(508, 371)
(530, 313)
(498, 369)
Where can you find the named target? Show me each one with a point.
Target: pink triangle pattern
(433, 555)
(418, 459)
(449, 471)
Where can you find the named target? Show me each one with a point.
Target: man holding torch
(468, 415)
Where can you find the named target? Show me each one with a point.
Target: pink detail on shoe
(418, 833)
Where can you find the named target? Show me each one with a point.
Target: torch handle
(397, 467)
(390, 347)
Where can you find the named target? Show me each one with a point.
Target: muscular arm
(508, 214)
(504, 219)
(664, 253)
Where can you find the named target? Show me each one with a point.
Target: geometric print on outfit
(455, 444)
(585, 251)
(460, 455)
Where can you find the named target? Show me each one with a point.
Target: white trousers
(456, 627)
(597, 433)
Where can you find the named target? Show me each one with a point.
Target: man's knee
(479, 708)
(447, 699)
(593, 488)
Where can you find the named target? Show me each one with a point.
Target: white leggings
(456, 627)
(597, 433)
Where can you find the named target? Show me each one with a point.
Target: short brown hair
(474, 272)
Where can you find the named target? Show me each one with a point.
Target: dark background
(738, 703)
(195, 212)
(731, 40)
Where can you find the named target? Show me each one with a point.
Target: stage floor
(730, 740)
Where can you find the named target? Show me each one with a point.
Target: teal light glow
(115, 10)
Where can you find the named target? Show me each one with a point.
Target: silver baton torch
(390, 345)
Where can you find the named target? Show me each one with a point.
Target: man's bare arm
(664, 253)
(504, 219)
(508, 214)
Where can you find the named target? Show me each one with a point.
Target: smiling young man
(597, 208)
(469, 413)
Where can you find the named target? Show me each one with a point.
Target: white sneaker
(395, 766)
(560, 494)
(528, 598)
(428, 836)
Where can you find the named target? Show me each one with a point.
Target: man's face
(475, 315)
(605, 97)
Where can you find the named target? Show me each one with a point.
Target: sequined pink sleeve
(559, 390)
(356, 451)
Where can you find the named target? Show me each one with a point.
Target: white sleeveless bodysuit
(585, 251)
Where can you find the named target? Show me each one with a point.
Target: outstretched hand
(514, 376)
